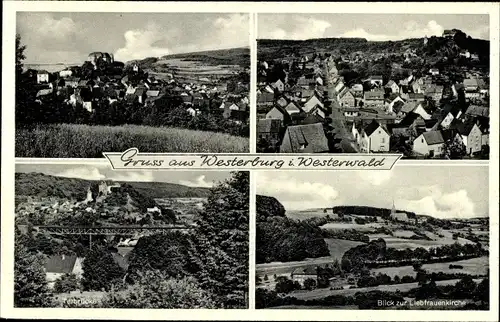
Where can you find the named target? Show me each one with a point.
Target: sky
(58, 37)
(376, 27)
(97, 172)
(438, 191)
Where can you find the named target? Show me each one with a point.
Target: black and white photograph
(370, 240)
(90, 237)
(416, 84)
(95, 82)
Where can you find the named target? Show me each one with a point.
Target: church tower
(426, 40)
(393, 210)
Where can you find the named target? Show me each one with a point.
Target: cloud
(292, 27)
(456, 204)
(198, 182)
(376, 177)
(410, 30)
(296, 194)
(94, 173)
(139, 43)
(86, 173)
(48, 27)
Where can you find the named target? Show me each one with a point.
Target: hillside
(42, 185)
(233, 56)
(270, 48)
(268, 207)
(367, 211)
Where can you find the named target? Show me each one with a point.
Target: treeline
(44, 185)
(465, 289)
(377, 254)
(367, 211)
(282, 239)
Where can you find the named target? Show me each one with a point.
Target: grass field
(400, 243)
(471, 266)
(324, 292)
(85, 141)
(337, 249)
(341, 225)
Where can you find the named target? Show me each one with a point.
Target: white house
(312, 102)
(373, 138)
(42, 76)
(390, 105)
(65, 73)
(429, 143)
(276, 113)
(291, 108)
(279, 85)
(392, 86)
(58, 265)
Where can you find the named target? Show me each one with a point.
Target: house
(140, 93)
(351, 111)
(429, 143)
(65, 73)
(311, 103)
(278, 113)
(318, 110)
(72, 82)
(357, 90)
(373, 138)
(301, 274)
(292, 108)
(265, 99)
(193, 112)
(471, 135)
(279, 85)
(338, 83)
(412, 122)
(282, 102)
(346, 98)
(434, 71)
(476, 110)
(58, 265)
(374, 98)
(416, 97)
(44, 92)
(309, 138)
(434, 91)
(42, 77)
(449, 113)
(415, 107)
(392, 86)
(375, 80)
(268, 129)
(391, 100)
(449, 33)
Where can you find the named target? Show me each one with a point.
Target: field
(305, 214)
(324, 292)
(341, 226)
(473, 266)
(337, 249)
(401, 243)
(86, 141)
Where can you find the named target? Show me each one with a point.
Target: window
(422, 140)
(382, 140)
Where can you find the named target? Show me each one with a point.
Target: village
(322, 102)
(137, 88)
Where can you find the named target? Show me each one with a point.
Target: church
(398, 216)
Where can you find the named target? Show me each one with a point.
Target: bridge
(110, 230)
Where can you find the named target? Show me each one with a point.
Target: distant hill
(367, 211)
(42, 185)
(271, 48)
(233, 56)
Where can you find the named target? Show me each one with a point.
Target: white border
(8, 167)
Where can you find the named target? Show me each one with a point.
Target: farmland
(321, 293)
(89, 141)
(471, 266)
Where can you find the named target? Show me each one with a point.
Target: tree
(309, 284)
(221, 241)
(19, 55)
(100, 270)
(66, 283)
(157, 290)
(30, 285)
(454, 149)
(284, 285)
(266, 278)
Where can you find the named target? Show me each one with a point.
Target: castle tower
(426, 40)
(393, 210)
(89, 195)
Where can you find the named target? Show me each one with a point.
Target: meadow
(89, 141)
(471, 266)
